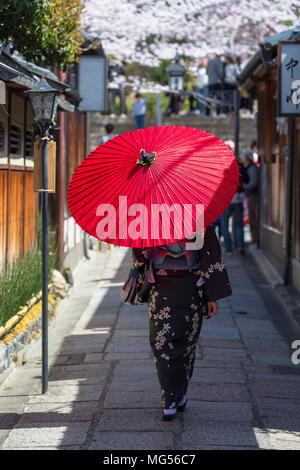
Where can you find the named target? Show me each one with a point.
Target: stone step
(223, 128)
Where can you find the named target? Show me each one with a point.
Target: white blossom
(147, 31)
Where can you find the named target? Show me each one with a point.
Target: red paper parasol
(144, 188)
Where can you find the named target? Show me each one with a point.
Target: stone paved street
(103, 390)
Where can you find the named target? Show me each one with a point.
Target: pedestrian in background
(230, 71)
(202, 85)
(109, 134)
(215, 72)
(251, 187)
(139, 110)
(254, 149)
(193, 103)
(235, 209)
(174, 105)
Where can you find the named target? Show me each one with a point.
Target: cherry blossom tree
(147, 31)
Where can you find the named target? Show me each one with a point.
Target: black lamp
(44, 102)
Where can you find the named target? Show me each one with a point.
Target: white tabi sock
(170, 411)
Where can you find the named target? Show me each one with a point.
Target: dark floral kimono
(177, 304)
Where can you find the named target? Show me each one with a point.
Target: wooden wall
(76, 145)
(272, 169)
(76, 142)
(296, 221)
(272, 147)
(18, 202)
(3, 215)
(71, 150)
(18, 214)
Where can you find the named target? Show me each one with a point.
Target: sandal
(169, 416)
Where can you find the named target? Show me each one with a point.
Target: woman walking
(125, 193)
(187, 285)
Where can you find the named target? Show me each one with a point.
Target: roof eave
(253, 64)
(30, 75)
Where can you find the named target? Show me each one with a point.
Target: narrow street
(142, 123)
(103, 390)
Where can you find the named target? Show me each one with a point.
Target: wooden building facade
(19, 204)
(279, 155)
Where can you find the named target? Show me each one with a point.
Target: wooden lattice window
(15, 140)
(28, 144)
(2, 138)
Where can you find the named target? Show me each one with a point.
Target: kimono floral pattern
(162, 272)
(152, 300)
(213, 271)
(218, 266)
(213, 267)
(178, 301)
(174, 328)
(136, 263)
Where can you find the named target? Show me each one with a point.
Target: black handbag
(136, 288)
(145, 286)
